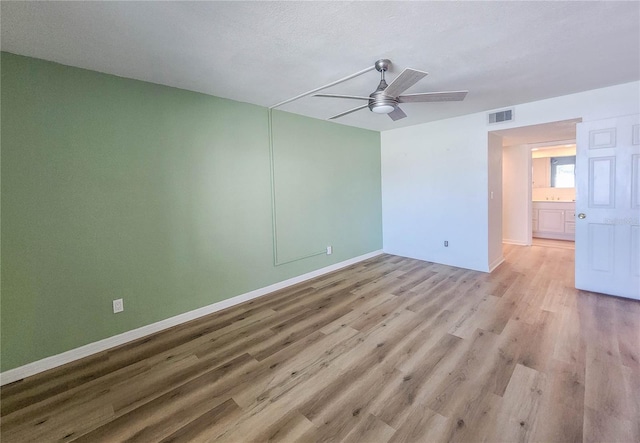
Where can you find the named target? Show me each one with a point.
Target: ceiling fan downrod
(380, 103)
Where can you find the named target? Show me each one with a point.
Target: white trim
(497, 262)
(92, 348)
(553, 236)
(514, 242)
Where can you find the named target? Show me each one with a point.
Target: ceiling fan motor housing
(382, 104)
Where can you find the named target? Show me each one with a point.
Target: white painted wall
(434, 188)
(435, 176)
(516, 176)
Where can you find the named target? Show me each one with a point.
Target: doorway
(520, 217)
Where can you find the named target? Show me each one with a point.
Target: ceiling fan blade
(448, 96)
(349, 112)
(355, 97)
(404, 81)
(397, 114)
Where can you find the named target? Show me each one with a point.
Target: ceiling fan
(385, 99)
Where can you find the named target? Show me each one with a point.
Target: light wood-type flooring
(390, 349)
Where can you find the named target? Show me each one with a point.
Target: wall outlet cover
(329, 250)
(118, 306)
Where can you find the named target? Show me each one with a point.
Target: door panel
(602, 186)
(601, 247)
(608, 206)
(602, 138)
(635, 181)
(635, 250)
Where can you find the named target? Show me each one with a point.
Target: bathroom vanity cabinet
(554, 219)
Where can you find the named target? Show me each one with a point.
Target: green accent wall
(117, 188)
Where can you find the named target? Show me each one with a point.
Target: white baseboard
(497, 262)
(102, 345)
(552, 236)
(514, 242)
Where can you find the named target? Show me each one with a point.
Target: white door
(608, 206)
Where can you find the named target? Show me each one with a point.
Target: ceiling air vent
(501, 116)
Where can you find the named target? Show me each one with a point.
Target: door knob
(582, 215)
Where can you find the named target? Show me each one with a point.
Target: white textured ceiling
(504, 53)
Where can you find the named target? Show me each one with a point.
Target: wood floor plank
(201, 428)
(632, 384)
(562, 404)
(418, 349)
(605, 388)
(514, 341)
(518, 413)
(458, 393)
(286, 426)
(570, 344)
(347, 405)
(292, 366)
(628, 335)
(477, 423)
(475, 315)
(600, 427)
(398, 397)
(388, 349)
(148, 422)
(49, 428)
(422, 424)
(370, 429)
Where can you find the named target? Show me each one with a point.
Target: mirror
(563, 172)
(553, 167)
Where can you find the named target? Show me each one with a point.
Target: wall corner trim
(54, 361)
(497, 262)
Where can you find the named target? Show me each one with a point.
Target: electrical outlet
(446, 243)
(329, 250)
(118, 306)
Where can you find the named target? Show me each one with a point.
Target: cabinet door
(540, 174)
(551, 220)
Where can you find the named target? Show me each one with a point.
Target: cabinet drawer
(569, 227)
(570, 215)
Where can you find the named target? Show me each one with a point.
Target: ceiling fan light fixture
(386, 98)
(382, 108)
